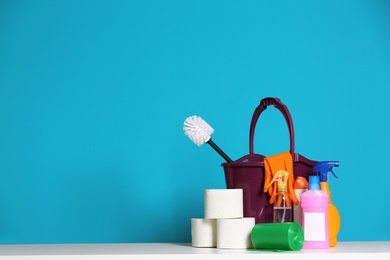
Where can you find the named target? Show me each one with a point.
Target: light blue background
(93, 96)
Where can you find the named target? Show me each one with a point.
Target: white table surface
(343, 250)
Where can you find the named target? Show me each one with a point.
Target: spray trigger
(282, 177)
(323, 168)
(331, 170)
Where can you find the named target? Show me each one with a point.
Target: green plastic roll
(277, 236)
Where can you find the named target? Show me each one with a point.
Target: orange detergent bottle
(334, 220)
(300, 186)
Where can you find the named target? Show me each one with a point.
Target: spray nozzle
(323, 168)
(282, 177)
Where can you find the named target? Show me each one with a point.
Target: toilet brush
(199, 132)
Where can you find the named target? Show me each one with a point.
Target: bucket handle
(277, 103)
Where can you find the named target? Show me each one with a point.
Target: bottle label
(314, 227)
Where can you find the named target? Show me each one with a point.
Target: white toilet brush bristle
(199, 132)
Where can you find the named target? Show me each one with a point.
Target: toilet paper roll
(235, 233)
(203, 232)
(223, 203)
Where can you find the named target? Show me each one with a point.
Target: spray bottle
(283, 202)
(323, 168)
(314, 203)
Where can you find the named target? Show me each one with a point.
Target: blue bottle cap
(314, 182)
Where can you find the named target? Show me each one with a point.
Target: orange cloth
(274, 163)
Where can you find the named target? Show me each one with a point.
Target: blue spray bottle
(334, 221)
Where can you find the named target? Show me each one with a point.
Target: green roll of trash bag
(277, 236)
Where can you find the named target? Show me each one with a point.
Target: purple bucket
(247, 173)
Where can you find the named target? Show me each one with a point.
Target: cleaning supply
(334, 221)
(223, 203)
(314, 203)
(199, 131)
(300, 186)
(203, 232)
(274, 163)
(277, 236)
(234, 233)
(283, 203)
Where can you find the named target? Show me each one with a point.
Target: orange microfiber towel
(274, 163)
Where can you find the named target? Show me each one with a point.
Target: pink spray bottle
(314, 203)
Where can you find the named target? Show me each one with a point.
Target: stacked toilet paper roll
(204, 232)
(234, 233)
(223, 225)
(223, 203)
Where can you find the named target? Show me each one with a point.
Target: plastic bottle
(314, 203)
(283, 202)
(300, 186)
(334, 221)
